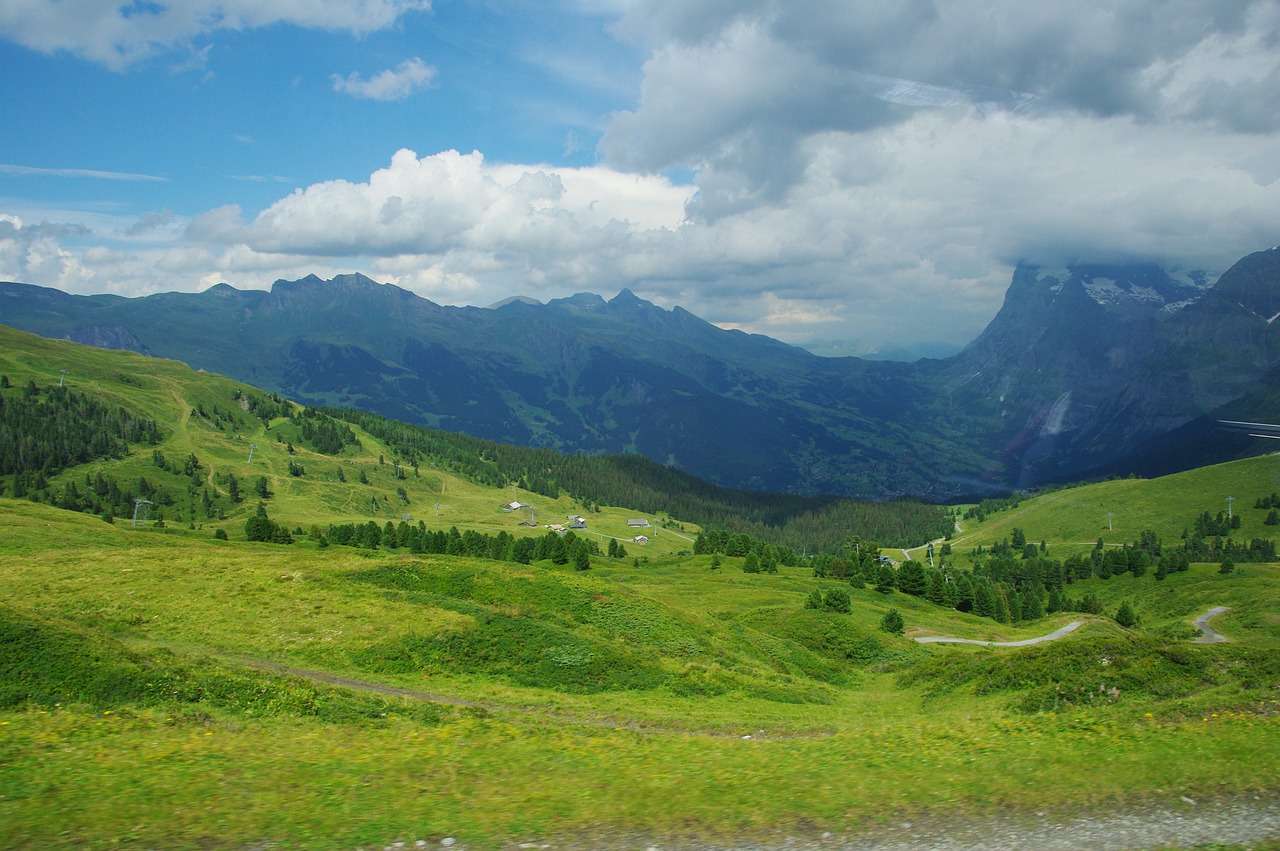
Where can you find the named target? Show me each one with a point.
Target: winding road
(1211, 635)
(1053, 636)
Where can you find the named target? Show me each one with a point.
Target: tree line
(818, 523)
(558, 548)
(48, 430)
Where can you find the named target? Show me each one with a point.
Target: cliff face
(1082, 369)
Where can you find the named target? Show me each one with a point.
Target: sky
(854, 176)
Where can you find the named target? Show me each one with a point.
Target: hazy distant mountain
(1079, 371)
(879, 351)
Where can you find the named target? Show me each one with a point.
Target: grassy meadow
(161, 688)
(1073, 519)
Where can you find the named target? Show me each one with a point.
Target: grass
(1073, 519)
(185, 781)
(815, 693)
(145, 699)
(168, 391)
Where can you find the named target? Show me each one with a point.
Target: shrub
(892, 622)
(1125, 616)
(837, 600)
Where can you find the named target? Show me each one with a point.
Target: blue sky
(861, 173)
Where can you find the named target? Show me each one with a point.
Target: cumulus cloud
(407, 77)
(451, 201)
(866, 172)
(725, 75)
(119, 34)
(33, 253)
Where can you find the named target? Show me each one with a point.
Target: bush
(837, 600)
(892, 622)
(1125, 616)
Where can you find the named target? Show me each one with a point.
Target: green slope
(1073, 519)
(164, 689)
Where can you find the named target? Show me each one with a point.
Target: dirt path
(1053, 636)
(1211, 635)
(436, 697)
(360, 685)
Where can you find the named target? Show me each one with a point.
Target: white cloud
(450, 201)
(32, 253)
(119, 34)
(409, 76)
(865, 172)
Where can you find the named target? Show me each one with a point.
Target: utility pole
(437, 509)
(63, 378)
(252, 446)
(1230, 500)
(1108, 521)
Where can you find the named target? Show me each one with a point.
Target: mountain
(1083, 371)
(1090, 370)
(578, 374)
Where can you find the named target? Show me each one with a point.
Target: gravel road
(1179, 822)
(1211, 635)
(1053, 636)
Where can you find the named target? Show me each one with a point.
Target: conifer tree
(1125, 615)
(892, 622)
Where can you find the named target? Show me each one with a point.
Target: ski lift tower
(140, 504)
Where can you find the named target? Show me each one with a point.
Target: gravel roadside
(1181, 822)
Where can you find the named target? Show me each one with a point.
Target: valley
(174, 683)
(1086, 372)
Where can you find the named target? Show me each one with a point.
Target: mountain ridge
(1064, 379)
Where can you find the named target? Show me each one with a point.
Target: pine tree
(1125, 615)
(937, 591)
(984, 603)
(886, 579)
(837, 600)
(892, 622)
(911, 579)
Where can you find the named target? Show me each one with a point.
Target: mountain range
(1093, 370)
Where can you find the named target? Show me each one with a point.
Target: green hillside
(235, 430)
(1118, 511)
(162, 687)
